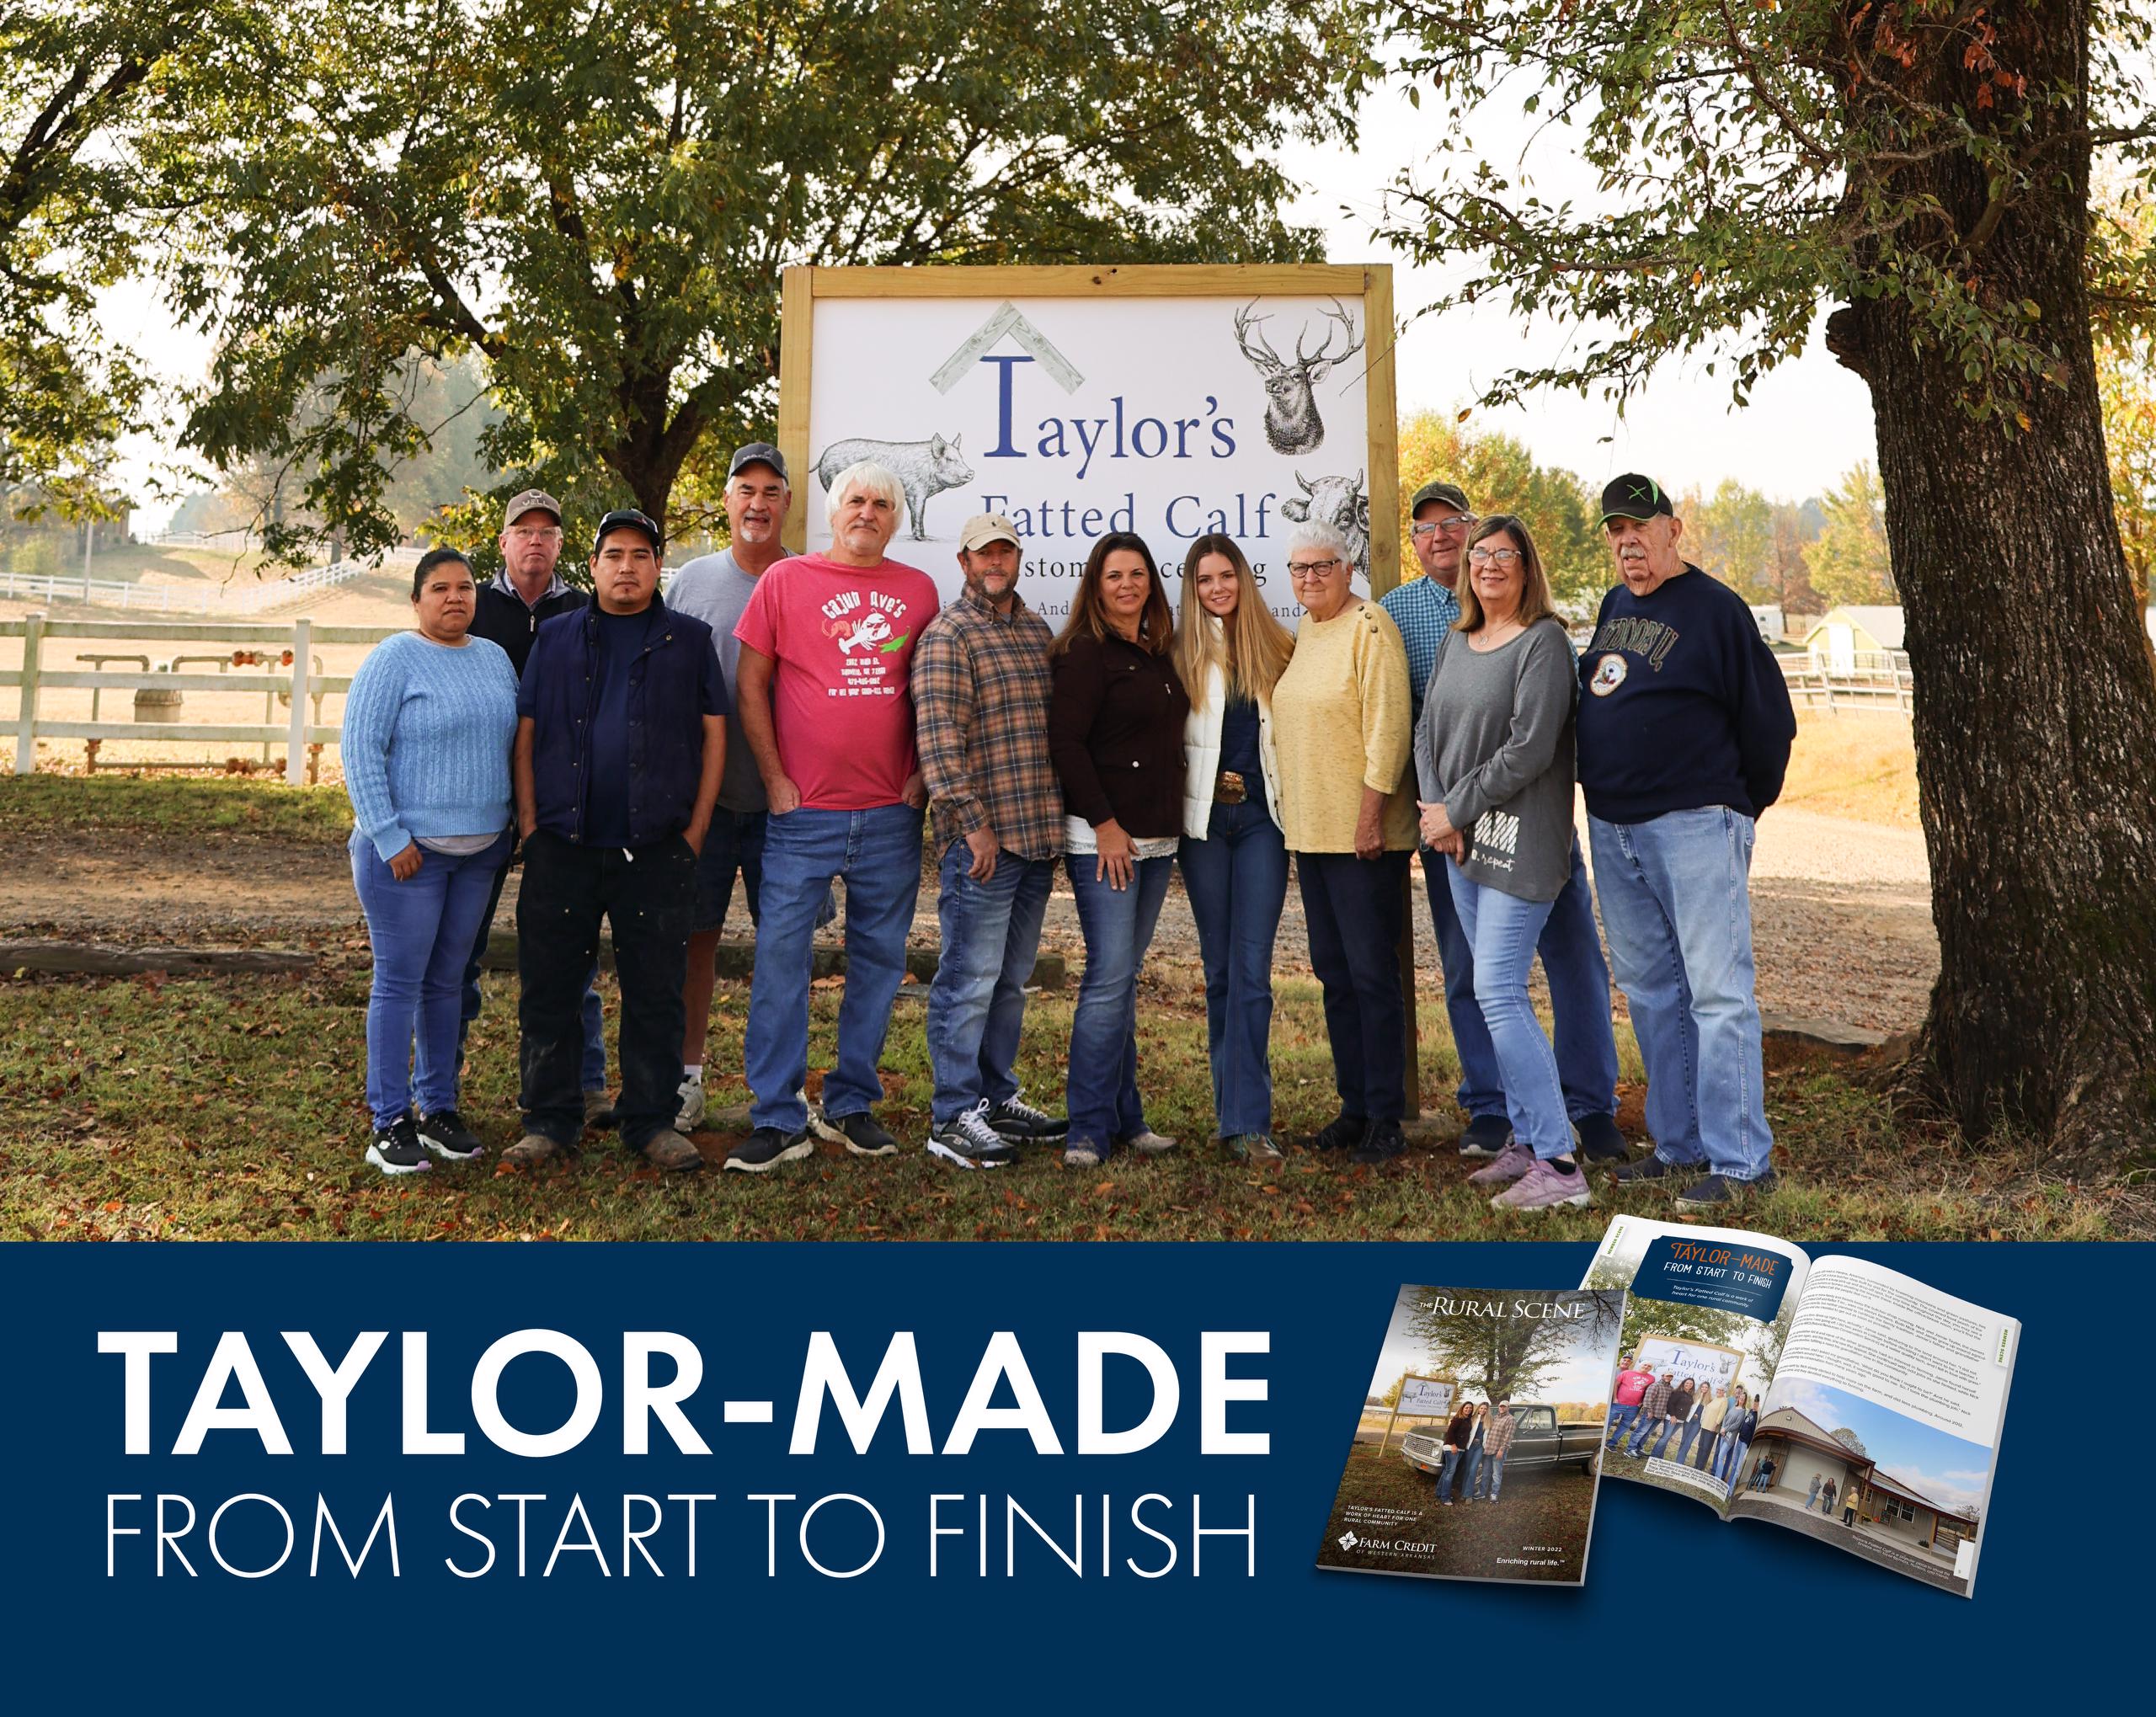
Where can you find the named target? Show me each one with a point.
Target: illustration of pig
(925, 468)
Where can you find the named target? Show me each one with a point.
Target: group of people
(1705, 1426)
(786, 720)
(1476, 1440)
(1823, 1495)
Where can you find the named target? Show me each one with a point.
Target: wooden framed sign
(1168, 400)
(1694, 1361)
(1420, 1397)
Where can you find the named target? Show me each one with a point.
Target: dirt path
(1841, 909)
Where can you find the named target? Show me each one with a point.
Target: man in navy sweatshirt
(1684, 735)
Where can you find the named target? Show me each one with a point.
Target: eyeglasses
(1309, 570)
(1492, 556)
(1430, 527)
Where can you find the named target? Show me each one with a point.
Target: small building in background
(1843, 637)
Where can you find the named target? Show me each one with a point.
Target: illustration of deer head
(1292, 425)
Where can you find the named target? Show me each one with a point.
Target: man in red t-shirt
(1632, 1383)
(827, 644)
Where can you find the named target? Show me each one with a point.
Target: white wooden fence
(300, 682)
(253, 597)
(1871, 679)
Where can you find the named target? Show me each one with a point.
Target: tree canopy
(598, 200)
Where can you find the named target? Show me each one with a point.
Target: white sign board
(1694, 1361)
(1171, 416)
(1427, 1395)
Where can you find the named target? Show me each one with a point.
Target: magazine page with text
(1709, 1313)
(1881, 1428)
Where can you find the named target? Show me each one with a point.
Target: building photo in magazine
(1477, 1447)
(1830, 1396)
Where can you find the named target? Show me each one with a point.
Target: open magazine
(1838, 1398)
(1478, 1444)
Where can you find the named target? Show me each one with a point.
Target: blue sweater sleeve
(1766, 719)
(371, 708)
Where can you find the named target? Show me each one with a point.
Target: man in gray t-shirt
(715, 588)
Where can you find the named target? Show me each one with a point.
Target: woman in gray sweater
(1493, 753)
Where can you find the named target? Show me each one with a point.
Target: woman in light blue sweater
(428, 727)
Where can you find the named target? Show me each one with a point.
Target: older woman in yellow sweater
(1341, 716)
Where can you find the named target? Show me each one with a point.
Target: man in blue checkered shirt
(1424, 610)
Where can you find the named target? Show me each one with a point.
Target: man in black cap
(528, 591)
(1683, 736)
(620, 744)
(716, 588)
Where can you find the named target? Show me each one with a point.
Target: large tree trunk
(2035, 699)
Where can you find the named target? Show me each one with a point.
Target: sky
(1945, 1468)
(1582, 1374)
(1806, 425)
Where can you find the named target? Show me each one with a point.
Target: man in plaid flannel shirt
(980, 692)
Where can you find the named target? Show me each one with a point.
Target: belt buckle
(1231, 789)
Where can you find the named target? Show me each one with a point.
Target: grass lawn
(230, 1107)
(172, 805)
(1381, 1497)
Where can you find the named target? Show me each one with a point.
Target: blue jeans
(1729, 1459)
(1502, 928)
(1101, 1093)
(991, 932)
(421, 933)
(1687, 1439)
(1497, 1474)
(1639, 1432)
(1237, 881)
(1471, 1487)
(1620, 1421)
(1571, 948)
(878, 853)
(1450, 1466)
(1677, 904)
(594, 1071)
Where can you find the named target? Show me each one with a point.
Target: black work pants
(1351, 909)
(647, 895)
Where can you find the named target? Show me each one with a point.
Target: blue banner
(1086, 1473)
(1718, 1273)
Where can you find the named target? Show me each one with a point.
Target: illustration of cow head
(1339, 502)
(1292, 424)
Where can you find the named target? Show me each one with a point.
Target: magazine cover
(1477, 1447)
(1831, 1396)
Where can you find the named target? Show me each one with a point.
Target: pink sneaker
(1512, 1162)
(1542, 1186)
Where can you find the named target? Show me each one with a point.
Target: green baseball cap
(1450, 494)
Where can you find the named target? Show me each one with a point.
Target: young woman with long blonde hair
(1229, 651)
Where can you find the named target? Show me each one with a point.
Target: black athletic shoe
(396, 1150)
(1382, 1143)
(1718, 1191)
(446, 1135)
(1022, 1123)
(1651, 1168)
(1486, 1136)
(1344, 1133)
(865, 1135)
(1600, 1142)
(766, 1148)
(970, 1141)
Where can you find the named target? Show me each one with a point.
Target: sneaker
(1253, 1147)
(1382, 1143)
(970, 1140)
(1600, 1142)
(865, 1136)
(396, 1150)
(766, 1148)
(531, 1150)
(1021, 1121)
(1717, 1191)
(1649, 1168)
(1083, 1153)
(818, 1124)
(1342, 1133)
(598, 1110)
(689, 1104)
(446, 1135)
(1514, 1161)
(1486, 1136)
(667, 1150)
(1542, 1186)
(1146, 1144)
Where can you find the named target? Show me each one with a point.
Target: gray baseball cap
(530, 501)
(758, 453)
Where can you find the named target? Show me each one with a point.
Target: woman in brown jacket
(1115, 728)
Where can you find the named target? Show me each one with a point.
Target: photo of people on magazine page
(1834, 1397)
(1477, 1446)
